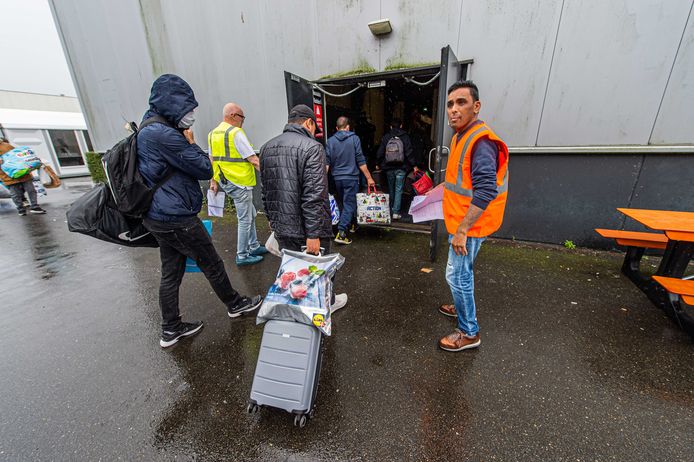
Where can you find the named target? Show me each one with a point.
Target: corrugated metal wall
(563, 73)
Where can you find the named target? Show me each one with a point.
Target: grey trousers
(17, 191)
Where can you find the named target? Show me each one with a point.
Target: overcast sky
(32, 56)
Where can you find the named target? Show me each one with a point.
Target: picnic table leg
(674, 263)
(676, 258)
(632, 266)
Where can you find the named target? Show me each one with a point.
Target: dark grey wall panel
(553, 198)
(666, 183)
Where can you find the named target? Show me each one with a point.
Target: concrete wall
(559, 197)
(551, 73)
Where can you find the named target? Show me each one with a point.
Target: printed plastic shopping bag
(19, 161)
(373, 208)
(302, 290)
(191, 266)
(334, 210)
(215, 203)
(38, 186)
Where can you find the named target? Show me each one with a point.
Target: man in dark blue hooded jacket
(168, 150)
(345, 159)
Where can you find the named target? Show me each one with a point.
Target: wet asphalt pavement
(575, 363)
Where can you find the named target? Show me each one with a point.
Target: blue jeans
(461, 279)
(247, 238)
(347, 190)
(396, 180)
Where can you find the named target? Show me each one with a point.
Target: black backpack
(131, 195)
(395, 151)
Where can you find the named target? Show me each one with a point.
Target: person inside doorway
(396, 157)
(345, 160)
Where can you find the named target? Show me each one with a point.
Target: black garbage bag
(95, 214)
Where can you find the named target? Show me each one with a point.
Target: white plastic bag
(302, 290)
(272, 245)
(215, 203)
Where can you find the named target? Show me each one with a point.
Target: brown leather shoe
(448, 310)
(458, 341)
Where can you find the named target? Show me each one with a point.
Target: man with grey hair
(234, 163)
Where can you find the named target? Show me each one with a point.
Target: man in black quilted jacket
(295, 187)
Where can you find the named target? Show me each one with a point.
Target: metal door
(451, 71)
(301, 91)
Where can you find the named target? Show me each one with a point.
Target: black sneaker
(247, 304)
(37, 210)
(342, 238)
(22, 212)
(184, 329)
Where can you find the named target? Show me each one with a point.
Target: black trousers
(176, 242)
(292, 243)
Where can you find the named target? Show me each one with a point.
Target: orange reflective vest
(457, 193)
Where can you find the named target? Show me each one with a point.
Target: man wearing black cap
(295, 187)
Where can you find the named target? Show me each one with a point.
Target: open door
(302, 91)
(451, 72)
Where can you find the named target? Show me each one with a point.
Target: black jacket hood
(172, 98)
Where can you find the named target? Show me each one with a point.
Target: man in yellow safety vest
(234, 163)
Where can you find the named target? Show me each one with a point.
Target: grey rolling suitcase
(288, 368)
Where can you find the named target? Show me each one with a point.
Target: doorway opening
(415, 96)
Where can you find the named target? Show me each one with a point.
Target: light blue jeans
(396, 181)
(247, 239)
(461, 279)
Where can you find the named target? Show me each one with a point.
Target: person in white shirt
(234, 163)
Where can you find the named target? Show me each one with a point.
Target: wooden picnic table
(678, 227)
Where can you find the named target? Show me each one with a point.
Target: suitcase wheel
(252, 408)
(300, 420)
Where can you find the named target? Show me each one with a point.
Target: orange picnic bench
(682, 287)
(666, 289)
(635, 239)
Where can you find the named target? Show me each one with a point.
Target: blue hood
(343, 134)
(172, 98)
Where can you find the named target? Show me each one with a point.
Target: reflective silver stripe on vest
(504, 183)
(227, 152)
(458, 187)
(458, 190)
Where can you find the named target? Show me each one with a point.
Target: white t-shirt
(243, 146)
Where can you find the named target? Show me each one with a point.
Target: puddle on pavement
(46, 250)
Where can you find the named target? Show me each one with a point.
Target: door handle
(444, 153)
(432, 150)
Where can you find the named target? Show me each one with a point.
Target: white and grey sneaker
(184, 329)
(340, 302)
(247, 304)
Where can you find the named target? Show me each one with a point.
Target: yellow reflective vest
(226, 159)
